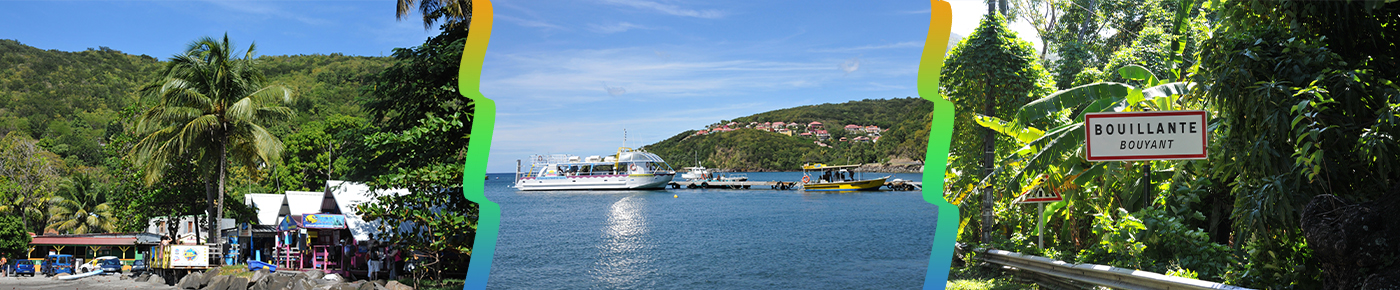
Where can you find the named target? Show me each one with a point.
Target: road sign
(1038, 195)
(1145, 135)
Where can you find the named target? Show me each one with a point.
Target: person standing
(4, 266)
(395, 256)
(376, 257)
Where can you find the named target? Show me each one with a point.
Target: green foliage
(904, 123)
(14, 239)
(1305, 108)
(740, 150)
(77, 106)
(886, 113)
(31, 175)
(993, 73)
(65, 98)
(212, 108)
(1156, 241)
(82, 207)
(417, 141)
(307, 160)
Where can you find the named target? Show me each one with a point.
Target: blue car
(24, 267)
(57, 264)
(112, 266)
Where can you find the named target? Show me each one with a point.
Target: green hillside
(904, 121)
(73, 102)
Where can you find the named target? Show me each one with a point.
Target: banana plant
(1058, 152)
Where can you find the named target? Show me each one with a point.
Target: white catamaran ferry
(628, 169)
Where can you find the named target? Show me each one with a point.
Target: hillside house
(853, 128)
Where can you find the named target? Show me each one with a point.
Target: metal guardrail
(1101, 275)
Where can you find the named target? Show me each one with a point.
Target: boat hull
(862, 185)
(596, 182)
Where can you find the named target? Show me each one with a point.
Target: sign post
(1039, 196)
(1145, 136)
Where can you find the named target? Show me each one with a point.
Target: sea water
(711, 238)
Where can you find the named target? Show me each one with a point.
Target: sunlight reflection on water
(620, 262)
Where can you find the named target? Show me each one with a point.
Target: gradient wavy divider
(488, 223)
(939, 137)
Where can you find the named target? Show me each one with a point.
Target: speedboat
(627, 169)
(822, 177)
(696, 173)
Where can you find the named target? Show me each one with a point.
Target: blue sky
(568, 76)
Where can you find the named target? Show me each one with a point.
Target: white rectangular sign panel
(1145, 135)
(189, 256)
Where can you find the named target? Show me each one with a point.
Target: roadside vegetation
(1301, 131)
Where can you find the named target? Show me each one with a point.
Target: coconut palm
(456, 14)
(211, 107)
(81, 208)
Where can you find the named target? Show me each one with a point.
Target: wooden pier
(778, 185)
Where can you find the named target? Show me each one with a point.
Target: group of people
(380, 254)
(841, 176)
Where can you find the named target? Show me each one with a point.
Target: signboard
(1145, 135)
(312, 221)
(189, 256)
(323, 221)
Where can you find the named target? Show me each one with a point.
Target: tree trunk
(208, 211)
(988, 153)
(1004, 8)
(196, 226)
(223, 166)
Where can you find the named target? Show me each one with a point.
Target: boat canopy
(820, 166)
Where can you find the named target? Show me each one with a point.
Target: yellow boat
(822, 177)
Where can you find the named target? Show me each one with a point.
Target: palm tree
(457, 14)
(211, 108)
(80, 209)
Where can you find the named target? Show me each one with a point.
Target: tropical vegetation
(103, 141)
(904, 135)
(1300, 140)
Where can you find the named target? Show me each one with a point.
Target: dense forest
(1297, 190)
(904, 121)
(75, 102)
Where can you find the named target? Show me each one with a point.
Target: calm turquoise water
(711, 238)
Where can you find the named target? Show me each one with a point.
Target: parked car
(95, 264)
(113, 266)
(57, 264)
(25, 266)
(138, 266)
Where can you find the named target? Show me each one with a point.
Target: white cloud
(906, 44)
(267, 9)
(529, 23)
(562, 77)
(667, 8)
(615, 27)
(850, 65)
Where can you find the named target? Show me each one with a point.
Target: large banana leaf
(1137, 72)
(1073, 98)
(1164, 97)
(1023, 135)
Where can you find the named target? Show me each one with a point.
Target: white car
(95, 264)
